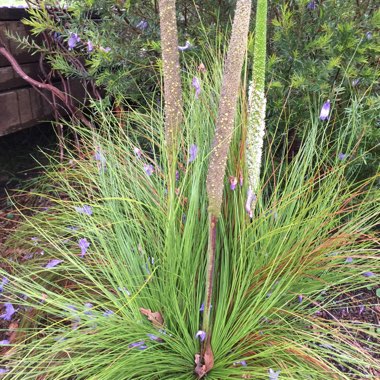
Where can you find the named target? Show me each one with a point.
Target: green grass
(309, 219)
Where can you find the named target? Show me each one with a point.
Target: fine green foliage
(148, 251)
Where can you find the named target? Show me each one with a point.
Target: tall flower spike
(227, 106)
(256, 108)
(171, 69)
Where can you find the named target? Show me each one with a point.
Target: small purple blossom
(90, 46)
(349, 260)
(177, 175)
(242, 363)
(200, 335)
(154, 337)
(100, 157)
(273, 375)
(148, 169)
(85, 209)
(325, 110)
(368, 36)
(142, 25)
(241, 180)
(3, 370)
(53, 263)
(73, 40)
(9, 311)
(124, 290)
(193, 151)
(4, 342)
(139, 345)
(368, 274)
(197, 86)
(233, 183)
(361, 309)
(88, 306)
(83, 245)
(355, 82)
(3, 282)
(202, 308)
(185, 47)
(300, 298)
(137, 152)
(108, 313)
(105, 50)
(311, 5)
(342, 156)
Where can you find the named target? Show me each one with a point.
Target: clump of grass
(83, 318)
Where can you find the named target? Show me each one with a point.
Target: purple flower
(90, 46)
(142, 25)
(105, 50)
(368, 36)
(300, 298)
(137, 152)
(124, 290)
(325, 110)
(9, 311)
(186, 47)
(193, 151)
(73, 40)
(4, 342)
(342, 156)
(349, 260)
(139, 345)
(83, 245)
(273, 375)
(311, 5)
(361, 309)
(88, 305)
(241, 180)
(233, 183)
(202, 308)
(195, 83)
(3, 370)
(3, 282)
(108, 313)
(177, 175)
(53, 263)
(148, 169)
(355, 82)
(200, 335)
(100, 157)
(85, 209)
(154, 337)
(368, 274)
(242, 363)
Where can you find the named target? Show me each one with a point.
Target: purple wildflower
(73, 40)
(193, 151)
(355, 82)
(108, 313)
(85, 209)
(100, 157)
(361, 309)
(368, 274)
(53, 263)
(124, 290)
(9, 311)
(177, 175)
(142, 25)
(83, 245)
(233, 183)
(241, 180)
(105, 50)
(342, 156)
(200, 335)
(325, 110)
(195, 83)
(90, 46)
(137, 152)
(88, 306)
(349, 260)
(4, 342)
(185, 47)
(311, 5)
(139, 345)
(3, 282)
(148, 169)
(368, 36)
(273, 375)
(300, 298)
(202, 308)
(154, 337)
(3, 370)
(242, 363)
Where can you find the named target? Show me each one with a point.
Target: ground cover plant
(115, 272)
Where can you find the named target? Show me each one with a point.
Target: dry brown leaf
(154, 316)
(200, 369)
